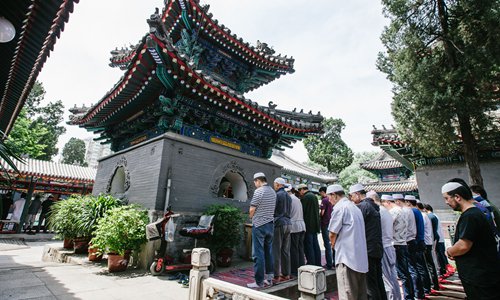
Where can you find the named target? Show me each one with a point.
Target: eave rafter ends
(39, 25)
(177, 11)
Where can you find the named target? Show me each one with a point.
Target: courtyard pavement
(23, 275)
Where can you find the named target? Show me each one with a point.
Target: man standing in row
(297, 232)
(373, 232)
(325, 214)
(281, 242)
(400, 225)
(347, 236)
(474, 246)
(262, 214)
(310, 208)
(389, 257)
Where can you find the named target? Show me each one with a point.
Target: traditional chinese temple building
(393, 176)
(182, 130)
(432, 173)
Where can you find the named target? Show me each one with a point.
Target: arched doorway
(233, 186)
(118, 182)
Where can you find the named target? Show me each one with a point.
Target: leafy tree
(74, 152)
(329, 150)
(442, 57)
(8, 155)
(38, 130)
(26, 138)
(354, 173)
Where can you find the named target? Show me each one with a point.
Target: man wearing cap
(281, 242)
(399, 225)
(373, 232)
(474, 247)
(429, 242)
(389, 257)
(310, 208)
(347, 236)
(416, 247)
(262, 214)
(297, 232)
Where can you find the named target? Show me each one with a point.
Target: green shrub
(64, 217)
(228, 223)
(121, 229)
(95, 208)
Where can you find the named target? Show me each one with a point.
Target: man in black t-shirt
(474, 248)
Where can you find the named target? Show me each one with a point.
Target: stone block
(312, 280)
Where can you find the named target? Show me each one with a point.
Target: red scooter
(166, 263)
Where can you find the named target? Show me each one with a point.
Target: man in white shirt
(400, 236)
(389, 258)
(347, 236)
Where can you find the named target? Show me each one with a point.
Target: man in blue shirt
(421, 279)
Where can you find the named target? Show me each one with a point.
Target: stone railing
(311, 283)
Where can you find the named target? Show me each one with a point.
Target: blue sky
(334, 43)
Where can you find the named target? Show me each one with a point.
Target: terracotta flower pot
(81, 245)
(68, 243)
(93, 255)
(118, 263)
(224, 257)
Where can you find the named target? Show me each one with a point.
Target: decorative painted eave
(38, 25)
(392, 187)
(292, 166)
(177, 12)
(382, 162)
(141, 78)
(52, 171)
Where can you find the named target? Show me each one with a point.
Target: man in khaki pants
(347, 236)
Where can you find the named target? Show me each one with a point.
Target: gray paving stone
(27, 292)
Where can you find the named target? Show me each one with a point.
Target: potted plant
(95, 207)
(120, 232)
(227, 231)
(64, 219)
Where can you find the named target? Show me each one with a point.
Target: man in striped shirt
(262, 214)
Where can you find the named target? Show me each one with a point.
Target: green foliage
(74, 152)
(228, 224)
(354, 173)
(121, 229)
(8, 155)
(329, 150)
(95, 208)
(36, 130)
(26, 138)
(442, 57)
(65, 215)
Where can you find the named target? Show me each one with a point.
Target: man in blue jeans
(262, 214)
(325, 215)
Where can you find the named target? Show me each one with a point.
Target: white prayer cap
(410, 197)
(259, 174)
(397, 196)
(288, 187)
(371, 194)
(356, 188)
(418, 201)
(334, 188)
(387, 198)
(450, 186)
(280, 180)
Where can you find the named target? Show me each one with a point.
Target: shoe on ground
(254, 285)
(284, 278)
(268, 283)
(277, 280)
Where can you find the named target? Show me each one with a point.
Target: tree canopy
(354, 173)
(74, 152)
(442, 57)
(329, 150)
(37, 128)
